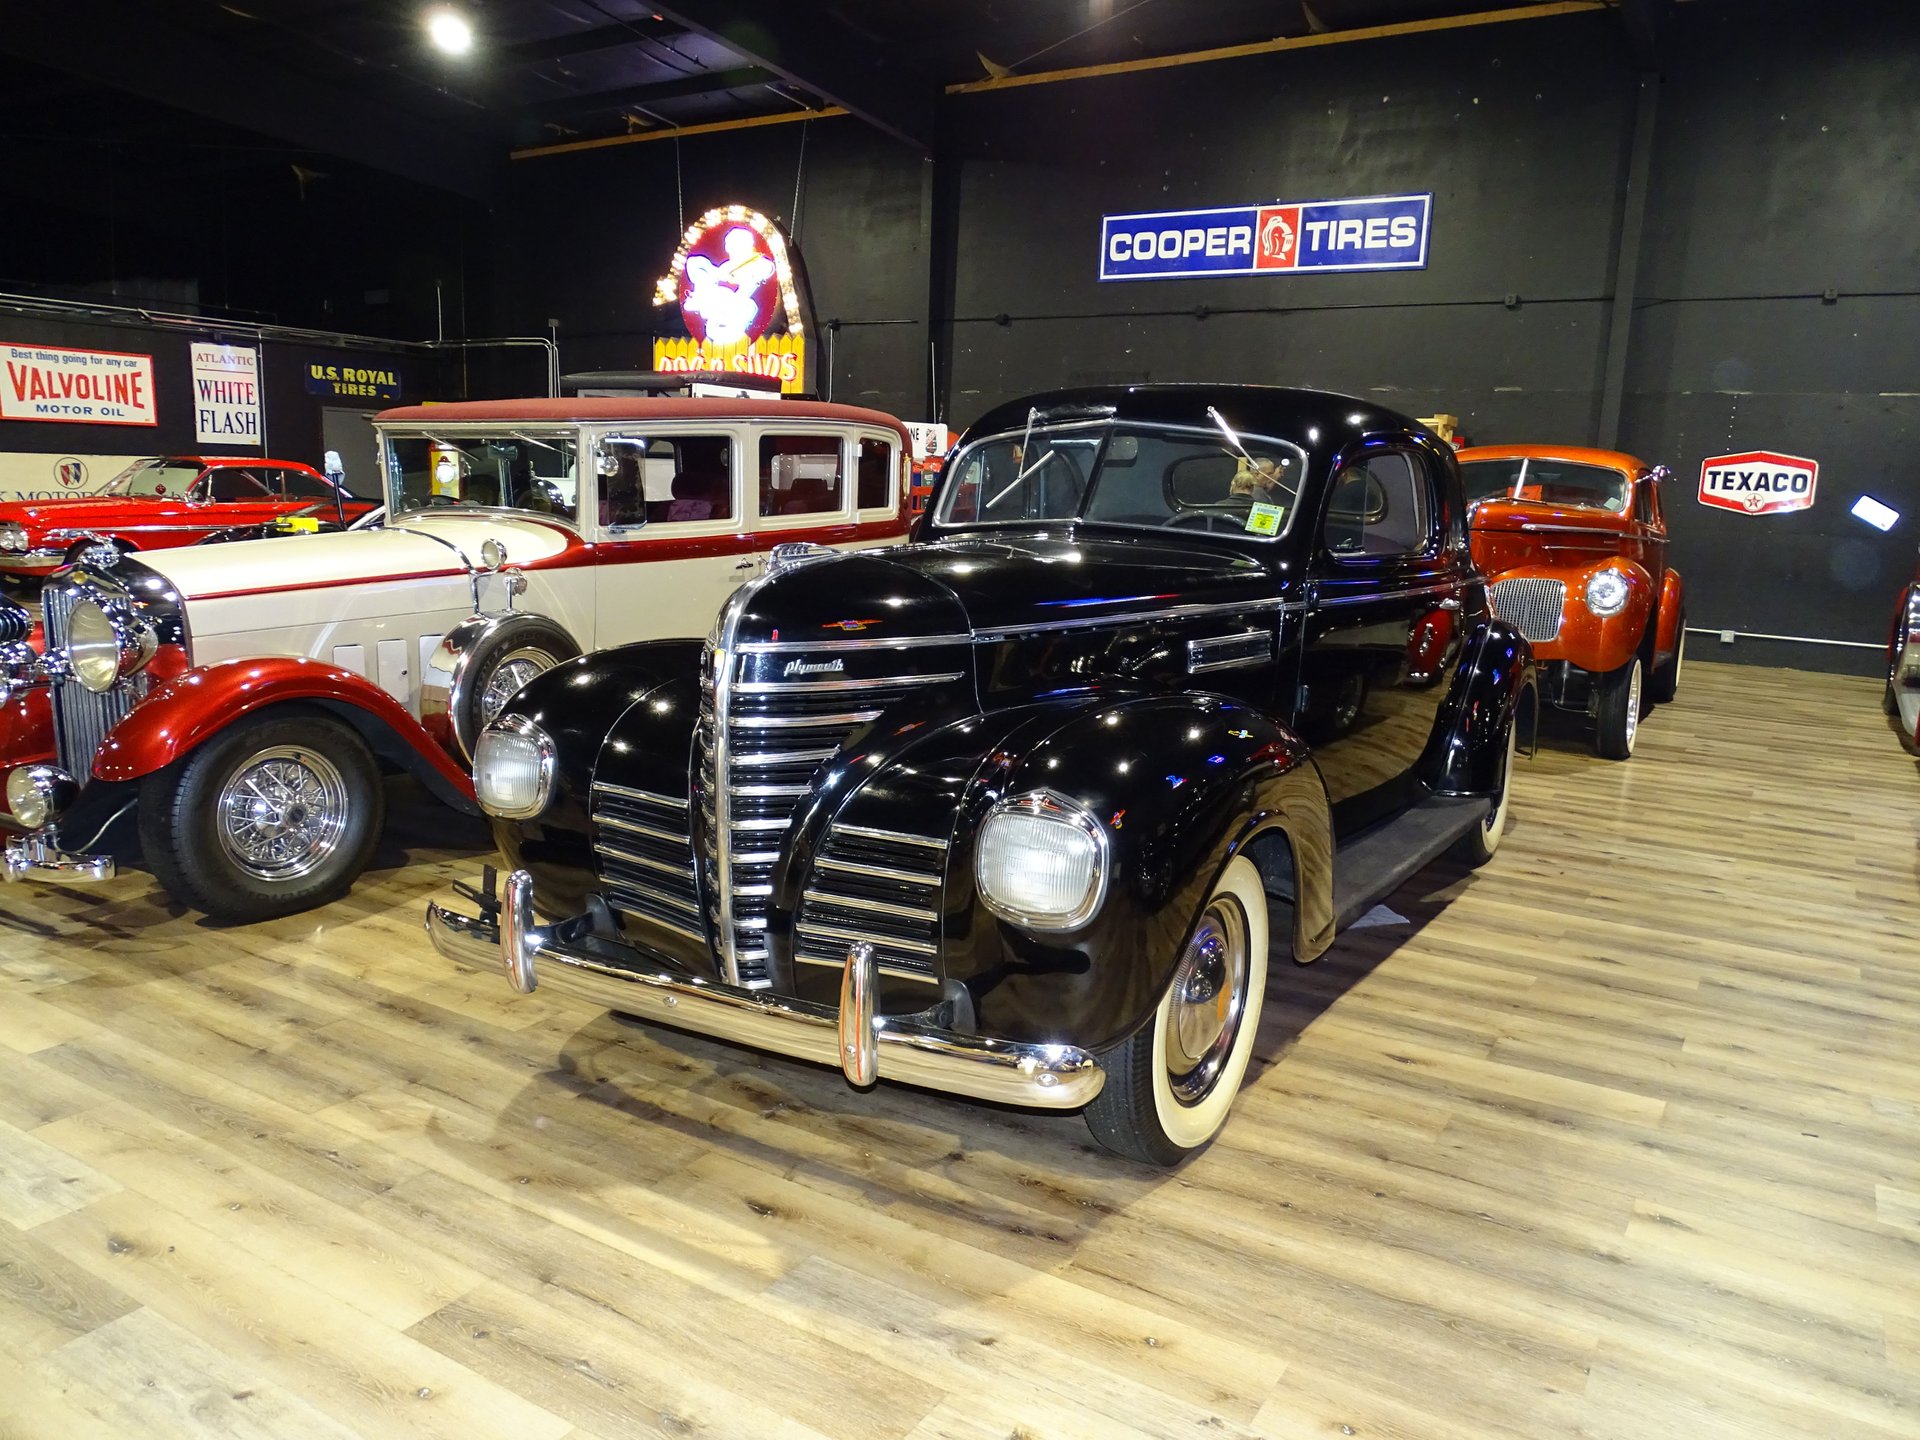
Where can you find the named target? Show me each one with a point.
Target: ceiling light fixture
(450, 31)
(1877, 514)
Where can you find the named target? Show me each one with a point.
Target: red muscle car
(161, 503)
(1574, 545)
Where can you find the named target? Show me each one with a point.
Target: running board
(1379, 861)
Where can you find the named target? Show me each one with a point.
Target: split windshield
(1211, 480)
(1546, 482)
(523, 469)
(163, 479)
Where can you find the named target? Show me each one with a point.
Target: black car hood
(988, 585)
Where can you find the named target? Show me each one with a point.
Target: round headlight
(93, 647)
(1607, 592)
(1041, 862)
(513, 769)
(39, 793)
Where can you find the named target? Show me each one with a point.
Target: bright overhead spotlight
(1881, 517)
(449, 31)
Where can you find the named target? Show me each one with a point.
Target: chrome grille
(81, 719)
(775, 737)
(880, 886)
(644, 857)
(1532, 605)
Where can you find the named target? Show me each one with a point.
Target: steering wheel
(437, 501)
(1208, 521)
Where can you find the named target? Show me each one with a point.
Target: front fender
(1493, 685)
(1600, 643)
(191, 708)
(1673, 607)
(1179, 784)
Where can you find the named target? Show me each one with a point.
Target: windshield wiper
(1022, 477)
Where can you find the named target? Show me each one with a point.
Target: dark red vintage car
(1903, 663)
(164, 502)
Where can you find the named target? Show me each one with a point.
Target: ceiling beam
(172, 65)
(801, 49)
(587, 42)
(707, 82)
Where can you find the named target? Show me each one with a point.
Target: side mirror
(1659, 474)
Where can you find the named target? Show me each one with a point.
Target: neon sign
(738, 291)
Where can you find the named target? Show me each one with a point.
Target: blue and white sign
(1376, 232)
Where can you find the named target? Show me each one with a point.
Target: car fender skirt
(191, 708)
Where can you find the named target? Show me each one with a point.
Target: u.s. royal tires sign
(1759, 482)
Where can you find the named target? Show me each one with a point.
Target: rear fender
(190, 709)
(1493, 687)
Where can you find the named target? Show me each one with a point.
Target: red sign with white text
(1759, 482)
(76, 387)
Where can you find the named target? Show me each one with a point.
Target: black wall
(1784, 166)
(584, 236)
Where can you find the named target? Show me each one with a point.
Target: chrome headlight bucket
(1041, 862)
(107, 641)
(1607, 592)
(37, 794)
(13, 538)
(514, 765)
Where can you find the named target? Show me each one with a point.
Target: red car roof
(1572, 454)
(216, 462)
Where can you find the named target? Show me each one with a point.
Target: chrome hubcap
(514, 670)
(1208, 1002)
(283, 812)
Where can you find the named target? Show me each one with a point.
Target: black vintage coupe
(1014, 811)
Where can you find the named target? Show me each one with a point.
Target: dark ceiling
(358, 80)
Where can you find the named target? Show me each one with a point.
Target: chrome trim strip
(904, 642)
(768, 792)
(897, 971)
(1253, 647)
(628, 793)
(761, 824)
(874, 872)
(867, 832)
(628, 857)
(1394, 594)
(861, 902)
(803, 722)
(1594, 533)
(786, 757)
(820, 687)
(840, 932)
(1052, 1077)
(1137, 617)
(614, 822)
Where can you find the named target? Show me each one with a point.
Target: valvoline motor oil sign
(1759, 482)
(1375, 232)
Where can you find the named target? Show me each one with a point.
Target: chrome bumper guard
(864, 1046)
(33, 856)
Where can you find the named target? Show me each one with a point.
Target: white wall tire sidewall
(1496, 825)
(1192, 1126)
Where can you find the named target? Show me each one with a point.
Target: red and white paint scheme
(1759, 482)
(237, 700)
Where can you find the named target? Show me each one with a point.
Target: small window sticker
(1264, 519)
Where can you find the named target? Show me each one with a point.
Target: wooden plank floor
(1619, 1137)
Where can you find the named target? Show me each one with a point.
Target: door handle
(746, 565)
(1452, 602)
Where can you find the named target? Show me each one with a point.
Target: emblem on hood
(848, 624)
(814, 667)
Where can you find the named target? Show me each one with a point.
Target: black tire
(535, 645)
(1152, 1112)
(1665, 681)
(1620, 710)
(1478, 845)
(195, 834)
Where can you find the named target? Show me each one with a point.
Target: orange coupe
(1574, 545)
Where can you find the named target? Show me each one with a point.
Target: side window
(874, 475)
(229, 483)
(665, 479)
(1381, 507)
(801, 475)
(298, 485)
(1643, 503)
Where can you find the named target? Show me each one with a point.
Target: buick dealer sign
(1759, 482)
(1376, 232)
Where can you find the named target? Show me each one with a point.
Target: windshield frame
(527, 432)
(955, 463)
(1627, 480)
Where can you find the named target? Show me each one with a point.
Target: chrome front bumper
(863, 1045)
(33, 856)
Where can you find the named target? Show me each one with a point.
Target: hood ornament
(788, 554)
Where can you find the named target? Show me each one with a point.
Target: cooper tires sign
(1759, 482)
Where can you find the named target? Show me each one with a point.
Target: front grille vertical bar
(81, 719)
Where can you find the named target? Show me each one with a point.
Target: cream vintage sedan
(234, 705)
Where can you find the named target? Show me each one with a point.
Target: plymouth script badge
(1759, 482)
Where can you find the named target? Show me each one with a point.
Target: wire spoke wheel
(514, 669)
(282, 812)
